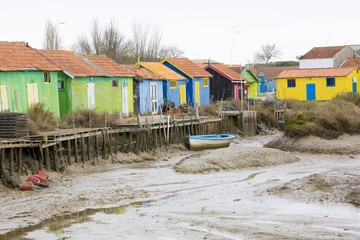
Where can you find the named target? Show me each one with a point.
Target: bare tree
(145, 44)
(266, 53)
(52, 36)
(108, 41)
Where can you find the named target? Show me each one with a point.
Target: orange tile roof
(322, 52)
(108, 65)
(18, 56)
(352, 62)
(271, 72)
(162, 70)
(142, 72)
(71, 63)
(225, 70)
(316, 72)
(188, 67)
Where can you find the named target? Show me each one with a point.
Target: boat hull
(200, 142)
(197, 144)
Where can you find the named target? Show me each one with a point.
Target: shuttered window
(205, 82)
(173, 84)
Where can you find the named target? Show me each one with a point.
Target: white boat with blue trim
(200, 142)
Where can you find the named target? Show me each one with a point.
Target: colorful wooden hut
(316, 84)
(226, 83)
(148, 90)
(26, 78)
(84, 84)
(197, 86)
(174, 88)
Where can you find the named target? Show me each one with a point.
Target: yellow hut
(316, 84)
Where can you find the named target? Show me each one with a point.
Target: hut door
(197, 93)
(236, 92)
(182, 93)
(3, 98)
(310, 92)
(33, 96)
(125, 103)
(153, 97)
(91, 95)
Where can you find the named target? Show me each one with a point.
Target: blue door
(310, 92)
(354, 87)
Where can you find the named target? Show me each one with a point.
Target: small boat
(200, 142)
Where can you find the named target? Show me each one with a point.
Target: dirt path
(238, 204)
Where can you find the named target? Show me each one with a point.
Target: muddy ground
(212, 194)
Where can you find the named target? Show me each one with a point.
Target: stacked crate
(13, 125)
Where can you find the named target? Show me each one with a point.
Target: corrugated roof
(71, 63)
(142, 72)
(322, 52)
(109, 66)
(18, 56)
(188, 67)
(226, 71)
(161, 69)
(316, 72)
(352, 62)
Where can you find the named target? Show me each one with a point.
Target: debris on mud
(237, 158)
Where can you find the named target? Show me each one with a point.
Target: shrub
(40, 120)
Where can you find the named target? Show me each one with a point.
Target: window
(61, 85)
(173, 84)
(205, 82)
(47, 77)
(114, 83)
(330, 82)
(291, 83)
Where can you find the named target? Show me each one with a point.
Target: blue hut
(147, 91)
(174, 88)
(197, 86)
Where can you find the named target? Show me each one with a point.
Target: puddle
(57, 224)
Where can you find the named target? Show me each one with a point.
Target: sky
(228, 31)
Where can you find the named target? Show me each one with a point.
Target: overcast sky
(202, 29)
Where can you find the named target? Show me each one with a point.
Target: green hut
(26, 78)
(91, 82)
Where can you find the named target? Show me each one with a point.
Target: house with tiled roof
(267, 75)
(316, 84)
(197, 86)
(27, 78)
(91, 82)
(147, 91)
(225, 84)
(326, 57)
(174, 86)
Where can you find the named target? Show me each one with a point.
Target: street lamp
(232, 43)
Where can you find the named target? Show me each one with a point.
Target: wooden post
(2, 163)
(137, 143)
(69, 151)
(109, 137)
(116, 148)
(155, 139)
(96, 146)
(47, 154)
(76, 150)
(89, 147)
(11, 161)
(130, 142)
(55, 158)
(104, 144)
(61, 152)
(83, 150)
(160, 137)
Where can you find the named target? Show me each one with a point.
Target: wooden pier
(57, 150)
